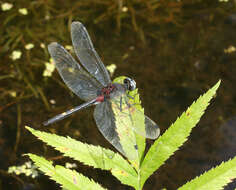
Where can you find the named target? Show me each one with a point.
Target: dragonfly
(91, 82)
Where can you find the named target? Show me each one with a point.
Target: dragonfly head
(130, 84)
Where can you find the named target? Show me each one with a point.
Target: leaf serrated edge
(229, 168)
(159, 142)
(131, 172)
(56, 175)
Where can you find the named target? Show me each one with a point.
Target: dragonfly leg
(120, 103)
(130, 96)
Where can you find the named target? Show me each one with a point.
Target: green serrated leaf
(130, 123)
(175, 136)
(216, 178)
(94, 156)
(69, 179)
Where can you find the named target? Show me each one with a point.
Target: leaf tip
(218, 83)
(29, 128)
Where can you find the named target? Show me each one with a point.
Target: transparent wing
(105, 121)
(78, 80)
(86, 53)
(152, 131)
(134, 115)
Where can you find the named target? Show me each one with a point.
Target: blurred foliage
(40, 22)
(23, 23)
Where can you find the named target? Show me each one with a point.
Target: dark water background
(175, 50)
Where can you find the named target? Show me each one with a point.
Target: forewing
(86, 53)
(77, 79)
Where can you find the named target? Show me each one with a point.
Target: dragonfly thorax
(111, 91)
(105, 92)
